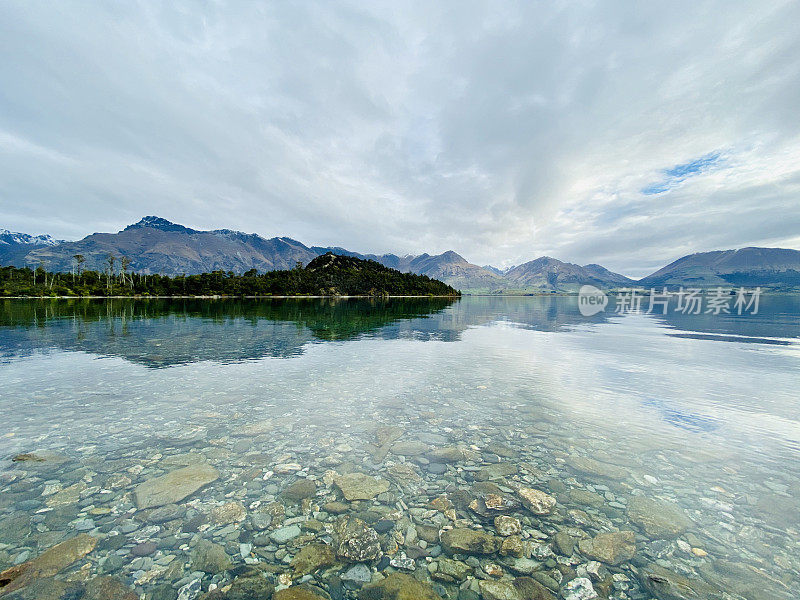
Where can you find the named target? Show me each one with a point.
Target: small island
(327, 275)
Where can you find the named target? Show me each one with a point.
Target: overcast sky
(626, 134)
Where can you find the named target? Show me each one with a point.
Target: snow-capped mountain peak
(14, 238)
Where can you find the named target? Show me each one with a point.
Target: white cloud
(501, 131)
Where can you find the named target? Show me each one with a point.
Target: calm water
(683, 429)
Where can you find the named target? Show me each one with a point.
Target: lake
(467, 443)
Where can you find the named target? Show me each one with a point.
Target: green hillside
(326, 275)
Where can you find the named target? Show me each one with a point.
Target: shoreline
(208, 297)
(226, 297)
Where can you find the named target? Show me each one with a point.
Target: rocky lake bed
(419, 509)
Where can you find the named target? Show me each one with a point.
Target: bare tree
(110, 259)
(79, 260)
(125, 262)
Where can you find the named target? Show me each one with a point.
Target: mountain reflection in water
(166, 332)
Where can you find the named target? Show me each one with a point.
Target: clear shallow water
(695, 414)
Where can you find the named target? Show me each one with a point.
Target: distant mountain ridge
(9, 238)
(550, 273)
(745, 266)
(495, 270)
(15, 246)
(156, 245)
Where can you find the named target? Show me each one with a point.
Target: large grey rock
(174, 486)
(522, 588)
(507, 525)
(312, 557)
(496, 471)
(47, 564)
(40, 457)
(530, 589)
(590, 466)
(410, 448)
(355, 541)
(749, 581)
(452, 570)
(448, 454)
(580, 588)
(610, 548)
(168, 512)
(209, 558)
(297, 593)
(260, 521)
(285, 534)
(537, 501)
(469, 541)
(667, 585)
(299, 490)
(386, 434)
(15, 529)
(230, 512)
(359, 574)
(48, 588)
(584, 498)
(357, 486)
(398, 586)
(106, 587)
(658, 519)
(498, 590)
(250, 585)
(191, 590)
(563, 543)
(69, 495)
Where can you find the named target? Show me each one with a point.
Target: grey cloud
(502, 131)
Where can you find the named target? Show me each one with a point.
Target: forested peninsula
(326, 275)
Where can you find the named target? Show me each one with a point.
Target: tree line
(326, 275)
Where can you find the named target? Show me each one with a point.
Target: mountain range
(15, 246)
(743, 267)
(156, 245)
